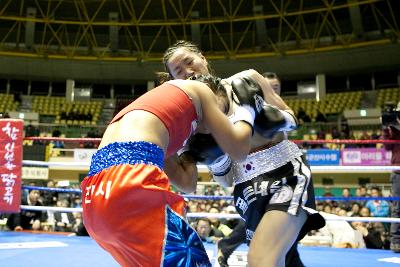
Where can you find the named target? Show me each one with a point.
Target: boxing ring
(37, 248)
(31, 249)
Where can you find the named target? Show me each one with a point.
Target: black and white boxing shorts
(276, 178)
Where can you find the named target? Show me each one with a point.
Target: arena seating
(334, 103)
(387, 95)
(7, 103)
(75, 113)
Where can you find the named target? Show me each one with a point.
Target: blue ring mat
(29, 249)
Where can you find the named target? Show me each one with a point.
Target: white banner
(83, 155)
(35, 173)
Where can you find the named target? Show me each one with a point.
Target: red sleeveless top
(173, 107)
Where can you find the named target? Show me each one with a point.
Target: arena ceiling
(130, 30)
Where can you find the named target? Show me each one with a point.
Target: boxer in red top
(128, 208)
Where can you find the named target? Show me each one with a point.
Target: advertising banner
(11, 137)
(366, 156)
(323, 157)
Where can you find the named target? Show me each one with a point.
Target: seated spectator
(320, 117)
(376, 135)
(345, 204)
(64, 221)
(362, 191)
(206, 232)
(345, 132)
(377, 226)
(27, 219)
(372, 238)
(78, 228)
(378, 208)
(31, 130)
(355, 209)
(328, 208)
(335, 133)
(50, 197)
(332, 203)
(217, 224)
(57, 144)
(91, 134)
(302, 116)
(336, 233)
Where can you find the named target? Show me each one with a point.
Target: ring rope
(52, 189)
(203, 167)
(199, 197)
(333, 141)
(53, 164)
(223, 215)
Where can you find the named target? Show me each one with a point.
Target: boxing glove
(249, 93)
(203, 148)
(272, 120)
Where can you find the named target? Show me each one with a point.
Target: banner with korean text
(321, 157)
(366, 157)
(11, 137)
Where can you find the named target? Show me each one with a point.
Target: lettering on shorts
(263, 188)
(284, 194)
(249, 234)
(267, 187)
(94, 191)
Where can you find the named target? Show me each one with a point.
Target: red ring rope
(334, 141)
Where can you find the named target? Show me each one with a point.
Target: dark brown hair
(182, 44)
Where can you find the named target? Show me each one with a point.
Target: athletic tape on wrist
(221, 165)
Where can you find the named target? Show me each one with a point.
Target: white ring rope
(203, 167)
(225, 215)
(56, 163)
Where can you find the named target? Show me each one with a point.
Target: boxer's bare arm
(182, 172)
(225, 133)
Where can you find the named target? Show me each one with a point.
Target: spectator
(328, 208)
(345, 204)
(320, 117)
(335, 133)
(57, 144)
(366, 136)
(50, 197)
(364, 212)
(372, 238)
(345, 132)
(64, 221)
(302, 116)
(355, 210)
(217, 224)
(206, 232)
(378, 208)
(27, 219)
(338, 234)
(376, 226)
(79, 228)
(376, 135)
(361, 191)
